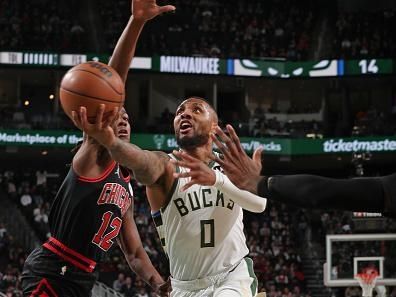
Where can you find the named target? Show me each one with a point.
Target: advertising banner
(167, 142)
(273, 68)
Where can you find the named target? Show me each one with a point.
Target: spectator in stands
(11, 261)
(11, 189)
(353, 292)
(3, 230)
(284, 24)
(129, 289)
(4, 242)
(393, 292)
(362, 34)
(141, 292)
(119, 282)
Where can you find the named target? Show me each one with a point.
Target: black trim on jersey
(173, 188)
(163, 242)
(157, 218)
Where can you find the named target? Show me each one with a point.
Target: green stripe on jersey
(253, 286)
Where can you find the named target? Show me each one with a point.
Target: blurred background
(313, 81)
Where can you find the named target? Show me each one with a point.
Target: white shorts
(240, 281)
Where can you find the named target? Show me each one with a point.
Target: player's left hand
(145, 10)
(164, 289)
(200, 173)
(101, 129)
(240, 169)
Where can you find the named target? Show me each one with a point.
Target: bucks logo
(159, 140)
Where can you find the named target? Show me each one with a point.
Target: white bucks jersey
(201, 230)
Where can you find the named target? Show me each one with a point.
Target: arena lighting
(51, 97)
(44, 153)
(313, 135)
(26, 103)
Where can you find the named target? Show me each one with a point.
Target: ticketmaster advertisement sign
(346, 146)
(165, 142)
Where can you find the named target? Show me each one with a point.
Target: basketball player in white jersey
(200, 228)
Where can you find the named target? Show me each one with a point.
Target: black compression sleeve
(389, 184)
(310, 191)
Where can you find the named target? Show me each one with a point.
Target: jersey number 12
(105, 240)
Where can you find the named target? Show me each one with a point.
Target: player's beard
(192, 142)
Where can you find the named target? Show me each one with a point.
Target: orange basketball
(90, 84)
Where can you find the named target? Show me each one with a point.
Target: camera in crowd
(358, 161)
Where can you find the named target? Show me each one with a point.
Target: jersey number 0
(207, 233)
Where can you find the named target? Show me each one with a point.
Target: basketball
(91, 84)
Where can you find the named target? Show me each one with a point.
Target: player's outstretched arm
(389, 193)
(137, 258)
(243, 171)
(147, 166)
(199, 173)
(310, 191)
(142, 11)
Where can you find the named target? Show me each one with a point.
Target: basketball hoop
(367, 280)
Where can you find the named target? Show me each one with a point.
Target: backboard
(349, 254)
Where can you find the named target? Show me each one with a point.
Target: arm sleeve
(310, 191)
(244, 199)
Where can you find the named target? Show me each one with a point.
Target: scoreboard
(369, 222)
(272, 68)
(367, 67)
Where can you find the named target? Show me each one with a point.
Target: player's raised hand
(200, 173)
(101, 129)
(237, 165)
(145, 10)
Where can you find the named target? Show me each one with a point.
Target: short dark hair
(207, 102)
(200, 98)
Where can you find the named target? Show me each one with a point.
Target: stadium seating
(41, 25)
(359, 35)
(222, 29)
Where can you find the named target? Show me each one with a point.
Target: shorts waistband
(70, 255)
(202, 283)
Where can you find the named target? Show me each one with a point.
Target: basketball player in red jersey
(94, 205)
